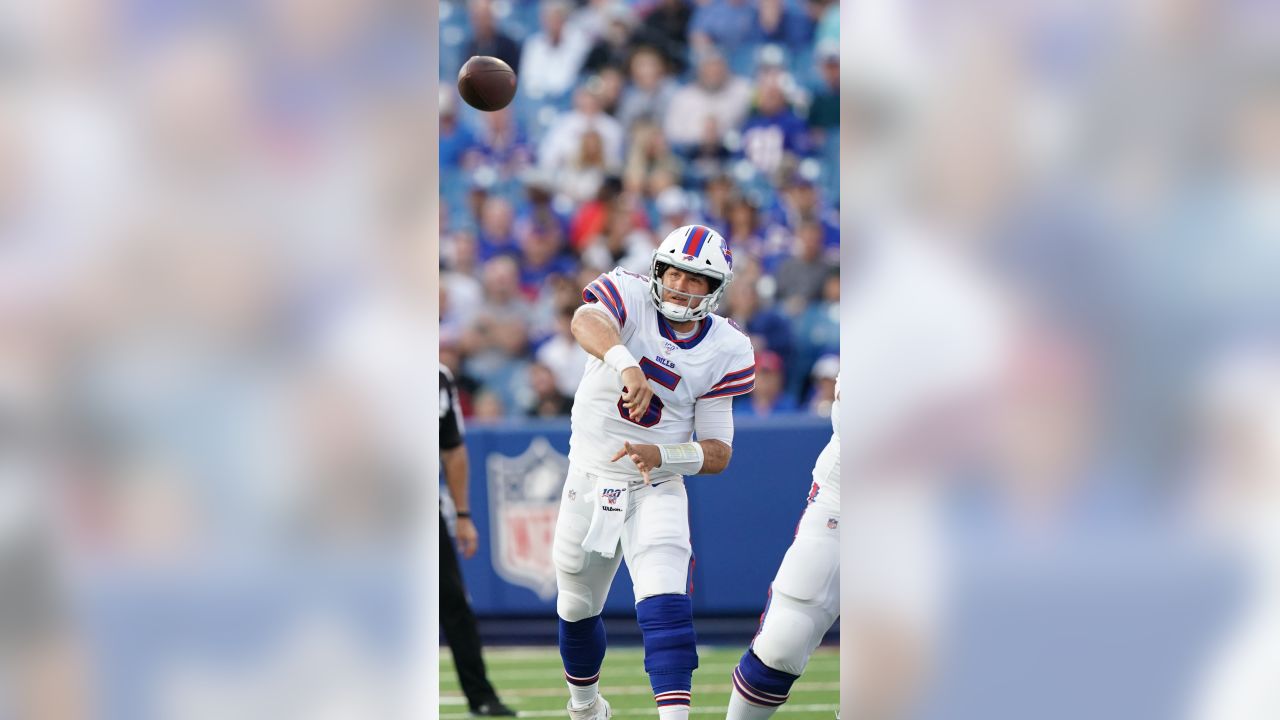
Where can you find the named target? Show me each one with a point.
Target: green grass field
(531, 681)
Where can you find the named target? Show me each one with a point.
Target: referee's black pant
(459, 625)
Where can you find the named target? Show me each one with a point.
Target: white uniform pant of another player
(655, 544)
(804, 600)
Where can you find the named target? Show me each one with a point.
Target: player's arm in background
(453, 460)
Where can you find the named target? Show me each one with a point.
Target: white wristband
(682, 459)
(619, 358)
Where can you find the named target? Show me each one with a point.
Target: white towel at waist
(610, 509)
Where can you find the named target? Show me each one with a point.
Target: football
(486, 83)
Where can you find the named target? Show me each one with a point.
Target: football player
(662, 369)
(804, 599)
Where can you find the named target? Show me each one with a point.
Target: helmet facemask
(699, 305)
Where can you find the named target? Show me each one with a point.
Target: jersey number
(659, 374)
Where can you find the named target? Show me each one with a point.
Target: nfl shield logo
(832, 523)
(669, 346)
(524, 496)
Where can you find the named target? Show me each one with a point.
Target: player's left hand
(645, 457)
(467, 538)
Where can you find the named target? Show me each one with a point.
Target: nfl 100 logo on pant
(611, 496)
(524, 498)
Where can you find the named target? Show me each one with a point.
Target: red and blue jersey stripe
(604, 291)
(738, 382)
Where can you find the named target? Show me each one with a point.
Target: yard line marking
(648, 712)
(610, 691)
(499, 654)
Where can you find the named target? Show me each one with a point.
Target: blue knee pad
(582, 646)
(761, 684)
(670, 644)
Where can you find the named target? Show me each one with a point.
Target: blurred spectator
(502, 143)
(802, 276)
(547, 401)
(498, 355)
(593, 217)
(592, 19)
(563, 354)
(460, 298)
(711, 156)
(581, 178)
(767, 398)
(716, 103)
(544, 256)
(651, 165)
(824, 105)
(801, 203)
(817, 333)
(828, 17)
(488, 407)
(497, 229)
(563, 142)
(552, 57)
(768, 328)
(488, 39)
(744, 231)
(717, 198)
(773, 135)
(456, 139)
(502, 299)
(726, 24)
(622, 245)
(824, 374)
(665, 27)
(539, 207)
(611, 83)
(613, 47)
(782, 25)
(460, 252)
(672, 205)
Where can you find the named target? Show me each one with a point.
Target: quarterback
(663, 370)
(804, 599)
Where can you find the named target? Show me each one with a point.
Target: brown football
(486, 83)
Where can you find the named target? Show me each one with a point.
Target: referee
(455, 612)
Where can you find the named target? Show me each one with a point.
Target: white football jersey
(716, 361)
(826, 471)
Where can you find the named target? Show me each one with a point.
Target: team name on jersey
(663, 361)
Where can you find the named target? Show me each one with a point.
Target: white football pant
(655, 544)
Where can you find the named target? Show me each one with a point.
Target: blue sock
(582, 646)
(670, 646)
(760, 683)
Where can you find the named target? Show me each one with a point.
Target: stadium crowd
(632, 119)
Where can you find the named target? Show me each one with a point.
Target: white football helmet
(696, 249)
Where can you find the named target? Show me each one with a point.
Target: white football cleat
(598, 710)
